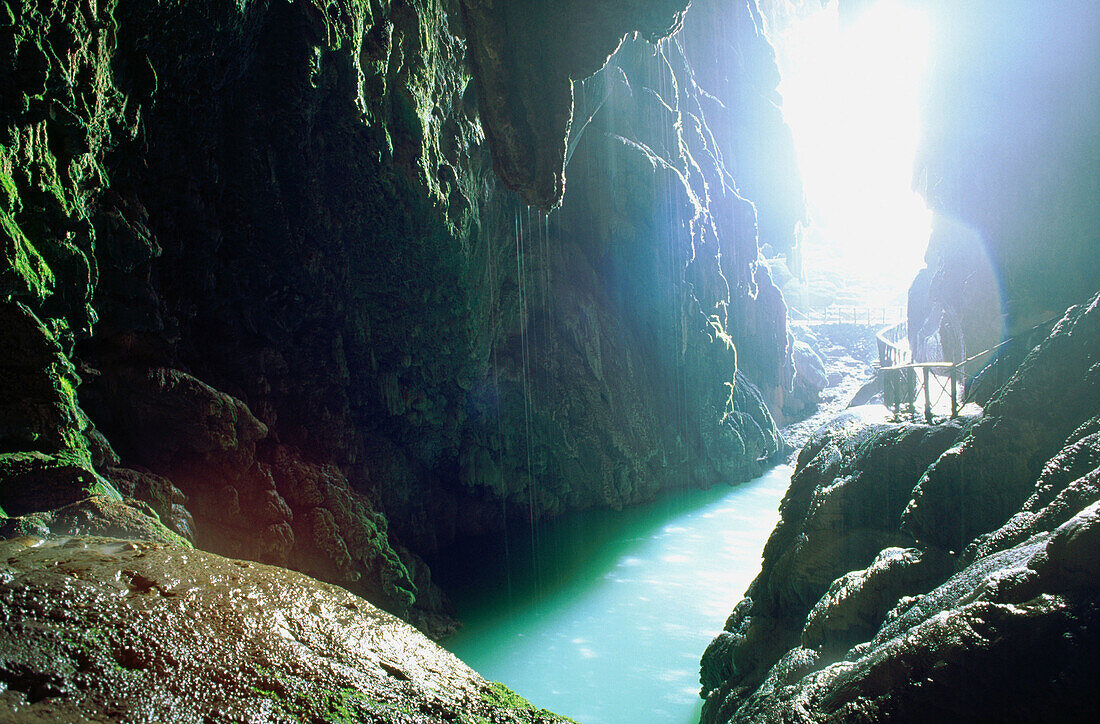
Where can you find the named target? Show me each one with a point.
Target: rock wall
(954, 304)
(1010, 154)
(262, 284)
(526, 56)
(974, 600)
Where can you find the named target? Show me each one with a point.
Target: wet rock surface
(1054, 391)
(850, 486)
(99, 629)
(980, 608)
(96, 516)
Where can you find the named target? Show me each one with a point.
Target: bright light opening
(850, 96)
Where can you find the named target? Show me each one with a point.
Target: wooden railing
(904, 381)
(903, 384)
(846, 314)
(893, 345)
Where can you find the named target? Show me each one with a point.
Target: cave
(545, 361)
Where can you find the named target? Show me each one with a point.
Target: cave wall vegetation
(265, 284)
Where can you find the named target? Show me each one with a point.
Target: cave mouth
(851, 95)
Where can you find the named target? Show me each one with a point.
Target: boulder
(101, 629)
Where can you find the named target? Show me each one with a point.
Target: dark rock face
(851, 484)
(989, 609)
(260, 280)
(525, 56)
(98, 629)
(1024, 426)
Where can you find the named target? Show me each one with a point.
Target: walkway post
(954, 392)
(927, 399)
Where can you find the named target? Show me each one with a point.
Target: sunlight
(850, 96)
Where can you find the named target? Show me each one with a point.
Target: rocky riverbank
(934, 571)
(103, 630)
(832, 363)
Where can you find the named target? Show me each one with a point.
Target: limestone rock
(1056, 389)
(857, 603)
(525, 57)
(1015, 162)
(1069, 481)
(332, 334)
(1004, 629)
(34, 481)
(1009, 637)
(849, 488)
(95, 629)
(38, 407)
(96, 516)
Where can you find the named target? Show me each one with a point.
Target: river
(603, 615)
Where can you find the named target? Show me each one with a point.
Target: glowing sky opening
(851, 98)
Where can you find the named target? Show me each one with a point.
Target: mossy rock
(497, 694)
(9, 195)
(99, 515)
(33, 481)
(38, 407)
(123, 629)
(23, 271)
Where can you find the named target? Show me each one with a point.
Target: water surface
(604, 615)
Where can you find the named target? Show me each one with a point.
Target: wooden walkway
(905, 381)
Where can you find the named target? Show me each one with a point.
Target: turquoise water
(604, 615)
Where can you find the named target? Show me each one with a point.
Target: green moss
(170, 536)
(31, 480)
(92, 640)
(82, 645)
(23, 271)
(55, 200)
(498, 695)
(9, 196)
(345, 706)
(7, 17)
(101, 486)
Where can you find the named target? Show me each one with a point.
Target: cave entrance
(850, 87)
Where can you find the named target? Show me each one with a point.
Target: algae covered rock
(98, 515)
(98, 629)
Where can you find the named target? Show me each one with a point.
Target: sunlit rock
(1056, 389)
(1009, 149)
(107, 629)
(989, 613)
(846, 497)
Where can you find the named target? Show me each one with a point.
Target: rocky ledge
(923, 572)
(103, 629)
